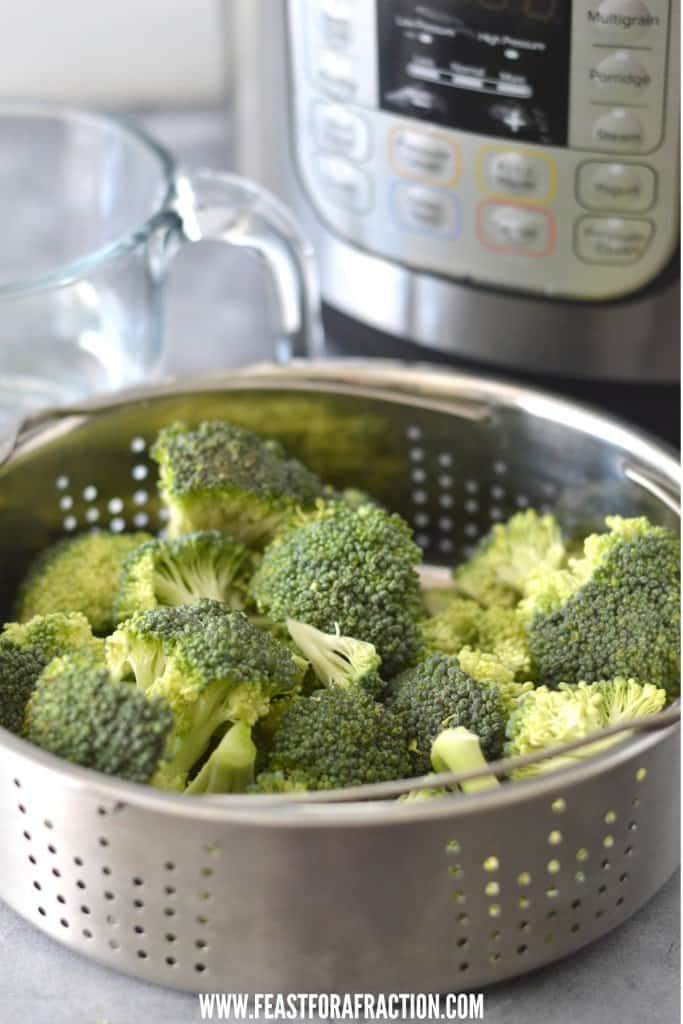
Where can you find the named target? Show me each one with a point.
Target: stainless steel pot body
(251, 894)
(634, 338)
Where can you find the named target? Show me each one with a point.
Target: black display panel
(494, 67)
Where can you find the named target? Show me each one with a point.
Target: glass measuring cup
(92, 212)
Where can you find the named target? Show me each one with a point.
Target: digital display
(494, 67)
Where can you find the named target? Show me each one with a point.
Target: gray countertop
(215, 318)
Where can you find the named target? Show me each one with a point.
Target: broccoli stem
(230, 768)
(458, 750)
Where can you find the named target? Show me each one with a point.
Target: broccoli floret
(351, 568)
(277, 782)
(219, 476)
(230, 767)
(547, 718)
(25, 650)
(172, 572)
(497, 572)
(79, 574)
(464, 624)
(459, 750)
(338, 660)
(338, 737)
(212, 666)
(437, 599)
(79, 713)
(616, 611)
(488, 670)
(436, 694)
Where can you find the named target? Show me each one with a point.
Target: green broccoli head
(211, 665)
(616, 611)
(495, 631)
(173, 572)
(497, 572)
(25, 650)
(338, 660)
(436, 694)
(548, 718)
(219, 476)
(79, 574)
(348, 568)
(336, 738)
(78, 712)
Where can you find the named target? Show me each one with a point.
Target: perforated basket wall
(238, 893)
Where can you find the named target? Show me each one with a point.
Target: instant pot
(493, 183)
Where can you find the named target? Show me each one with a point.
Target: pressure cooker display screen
(494, 67)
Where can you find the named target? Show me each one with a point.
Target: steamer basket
(251, 894)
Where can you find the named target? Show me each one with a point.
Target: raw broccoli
(334, 738)
(436, 694)
(212, 666)
(25, 650)
(79, 713)
(79, 574)
(459, 750)
(338, 660)
(351, 568)
(172, 572)
(615, 611)
(497, 572)
(230, 767)
(491, 631)
(547, 718)
(489, 671)
(222, 476)
(437, 599)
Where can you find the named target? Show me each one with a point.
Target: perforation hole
(106, 870)
(495, 910)
(113, 944)
(491, 864)
(555, 837)
(620, 900)
(580, 877)
(139, 472)
(138, 444)
(494, 958)
(170, 937)
(521, 950)
(608, 842)
(492, 888)
(453, 847)
(582, 855)
(552, 892)
(200, 968)
(495, 936)
(463, 966)
(202, 943)
(524, 926)
(456, 870)
(641, 774)
(86, 933)
(142, 954)
(42, 911)
(523, 903)
(575, 927)
(463, 920)
(610, 817)
(524, 878)
(553, 867)
(559, 806)
(138, 929)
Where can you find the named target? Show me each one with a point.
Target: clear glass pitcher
(92, 212)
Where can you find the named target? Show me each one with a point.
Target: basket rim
(471, 396)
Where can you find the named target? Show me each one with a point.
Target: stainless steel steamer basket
(248, 894)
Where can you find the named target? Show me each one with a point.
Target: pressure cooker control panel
(527, 144)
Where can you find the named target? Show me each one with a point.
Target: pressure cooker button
(508, 172)
(335, 74)
(620, 76)
(621, 21)
(336, 23)
(619, 129)
(612, 240)
(344, 184)
(420, 208)
(425, 155)
(614, 186)
(523, 230)
(338, 130)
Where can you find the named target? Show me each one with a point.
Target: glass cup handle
(225, 208)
